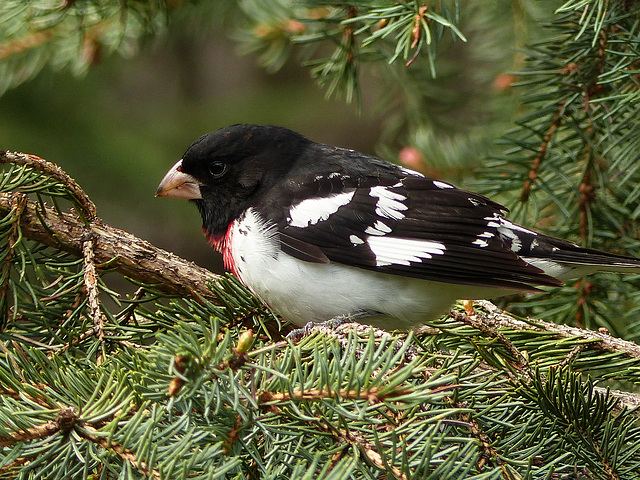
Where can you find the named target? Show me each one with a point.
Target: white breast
(302, 291)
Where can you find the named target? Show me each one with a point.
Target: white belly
(302, 291)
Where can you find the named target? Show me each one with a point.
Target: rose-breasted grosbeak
(318, 232)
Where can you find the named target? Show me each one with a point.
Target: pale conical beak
(176, 184)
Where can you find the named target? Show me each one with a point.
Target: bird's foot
(300, 333)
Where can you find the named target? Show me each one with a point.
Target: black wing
(405, 224)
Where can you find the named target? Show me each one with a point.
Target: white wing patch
(516, 243)
(408, 171)
(389, 203)
(513, 226)
(402, 251)
(556, 269)
(507, 231)
(378, 228)
(355, 240)
(480, 240)
(314, 210)
(440, 184)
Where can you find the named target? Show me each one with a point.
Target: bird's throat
(222, 243)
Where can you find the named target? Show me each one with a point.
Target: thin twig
(130, 255)
(65, 421)
(89, 433)
(575, 351)
(32, 341)
(12, 361)
(473, 321)
(542, 152)
(369, 449)
(603, 341)
(18, 395)
(18, 205)
(28, 42)
(55, 172)
(371, 395)
(91, 285)
(82, 337)
(128, 312)
(487, 451)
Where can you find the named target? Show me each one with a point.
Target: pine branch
(570, 164)
(65, 421)
(70, 34)
(600, 339)
(91, 434)
(132, 256)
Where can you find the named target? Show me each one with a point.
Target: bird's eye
(217, 169)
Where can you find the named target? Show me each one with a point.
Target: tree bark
(131, 255)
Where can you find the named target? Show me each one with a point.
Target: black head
(235, 165)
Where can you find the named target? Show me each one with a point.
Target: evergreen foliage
(572, 163)
(99, 383)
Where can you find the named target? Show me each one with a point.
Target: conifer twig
(355, 439)
(372, 395)
(54, 171)
(542, 152)
(91, 286)
(522, 363)
(132, 256)
(18, 203)
(65, 421)
(26, 43)
(602, 340)
(91, 434)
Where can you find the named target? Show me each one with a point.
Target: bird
(319, 232)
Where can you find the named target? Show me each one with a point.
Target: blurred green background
(119, 128)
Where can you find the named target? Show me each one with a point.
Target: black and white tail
(565, 260)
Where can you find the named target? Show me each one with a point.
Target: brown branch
(89, 433)
(18, 395)
(488, 453)
(496, 319)
(542, 152)
(25, 43)
(12, 360)
(371, 395)
(32, 40)
(349, 35)
(9, 468)
(604, 458)
(584, 288)
(356, 439)
(54, 171)
(18, 203)
(82, 337)
(522, 364)
(605, 342)
(416, 32)
(130, 255)
(128, 312)
(91, 285)
(587, 192)
(573, 354)
(628, 400)
(65, 421)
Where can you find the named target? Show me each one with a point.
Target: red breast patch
(222, 243)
